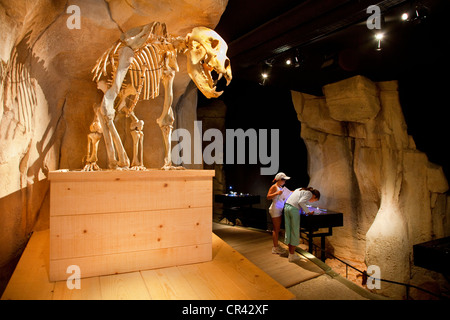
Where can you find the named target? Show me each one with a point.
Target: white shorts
(275, 212)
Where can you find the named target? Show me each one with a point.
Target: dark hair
(315, 192)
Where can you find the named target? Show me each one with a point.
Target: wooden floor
(229, 276)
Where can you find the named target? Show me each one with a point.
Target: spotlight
(288, 61)
(265, 71)
(405, 16)
(379, 36)
(264, 77)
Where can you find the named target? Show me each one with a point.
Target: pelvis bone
(135, 66)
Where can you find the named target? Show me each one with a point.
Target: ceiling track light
(417, 13)
(265, 71)
(294, 60)
(379, 36)
(269, 62)
(297, 61)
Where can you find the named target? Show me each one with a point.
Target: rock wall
(213, 116)
(366, 165)
(47, 94)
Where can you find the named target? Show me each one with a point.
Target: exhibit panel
(109, 222)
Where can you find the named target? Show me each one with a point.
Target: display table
(109, 222)
(433, 255)
(239, 206)
(237, 200)
(309, 224)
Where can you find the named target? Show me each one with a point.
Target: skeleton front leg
(167, 118)
(112, 138)
(137, 134)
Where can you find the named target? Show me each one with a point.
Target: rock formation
(47, 94)
(365, 164)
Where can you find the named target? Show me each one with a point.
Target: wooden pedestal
(109, 222)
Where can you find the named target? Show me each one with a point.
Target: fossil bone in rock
(135, 65)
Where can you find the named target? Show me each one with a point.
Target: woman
(278, 194)
(298, 199)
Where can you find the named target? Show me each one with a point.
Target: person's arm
(273, 192)
(303, 200)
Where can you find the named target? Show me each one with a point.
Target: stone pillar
(365, 164)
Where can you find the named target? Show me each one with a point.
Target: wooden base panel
(112, 222)
(131, 261)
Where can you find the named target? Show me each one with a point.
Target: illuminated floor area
(229, 276)
(308, 279)
(256, 246)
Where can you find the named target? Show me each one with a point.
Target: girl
(278, 194)
(297, 200)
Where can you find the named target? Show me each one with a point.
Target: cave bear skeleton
(134, 67)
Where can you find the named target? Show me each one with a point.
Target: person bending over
(297, 200)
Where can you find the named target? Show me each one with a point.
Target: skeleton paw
(115, 165)
(93, 166)
(138, 168)
(170, 167)
(122, 168)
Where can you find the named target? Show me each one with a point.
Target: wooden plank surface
(87, 197)
(30, 278)
(125, 286)
(90, 290)
(210, 281)
(128, 175)
(107, 264)
(168, 284)
(99, 234)
(228, 276)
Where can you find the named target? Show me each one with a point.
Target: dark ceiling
(330, 39)
(333, 42)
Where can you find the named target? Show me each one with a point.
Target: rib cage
(18, 95)
(151, 54)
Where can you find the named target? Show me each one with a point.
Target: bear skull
(207, 61)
